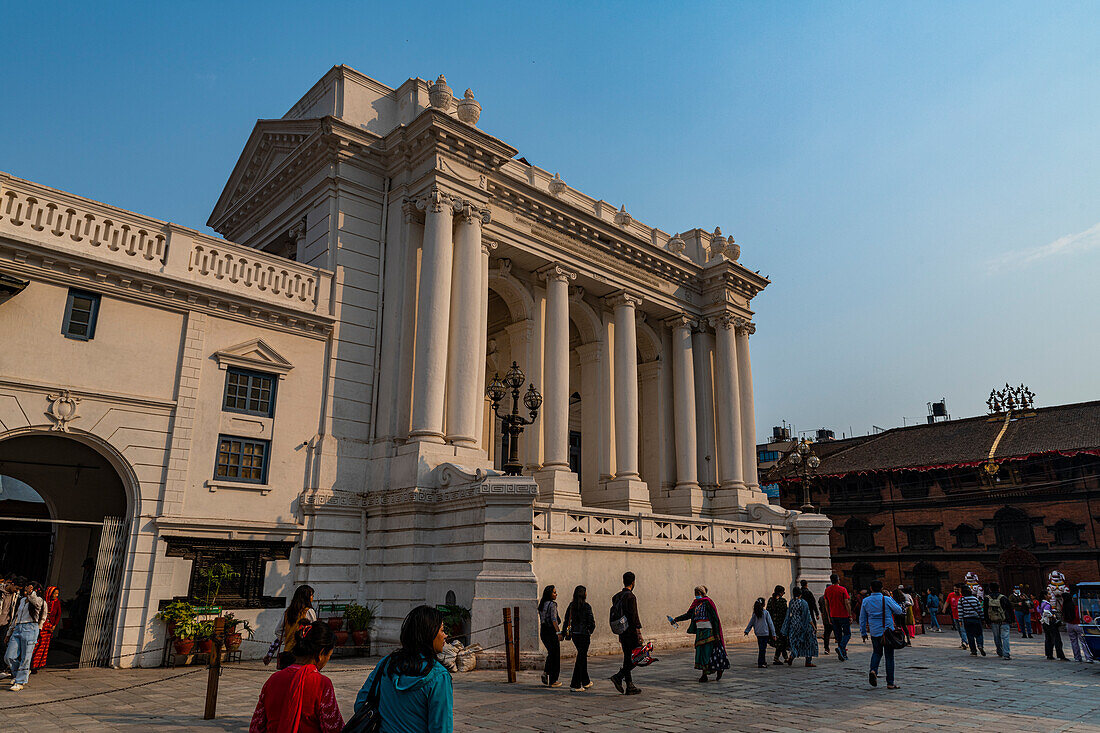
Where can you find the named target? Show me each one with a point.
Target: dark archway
(1017, 567)
(78, 489)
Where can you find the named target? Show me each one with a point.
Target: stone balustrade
(585, 526)
(88, 229)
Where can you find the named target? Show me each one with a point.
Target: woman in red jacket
(299, 699)
(53, 620)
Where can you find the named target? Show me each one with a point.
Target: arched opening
(1012, 527)
(858, 535)
(63, 511)
(926, 576)
(862, 575)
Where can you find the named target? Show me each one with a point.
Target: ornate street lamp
(802, 462)
(512, 423)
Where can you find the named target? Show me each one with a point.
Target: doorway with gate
(63, 510)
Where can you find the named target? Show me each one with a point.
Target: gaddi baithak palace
(305, 399)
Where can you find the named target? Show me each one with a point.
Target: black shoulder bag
(368, 719)
(891, 638)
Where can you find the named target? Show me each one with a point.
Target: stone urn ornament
(733, 249)
(439, 94)
(469, 110)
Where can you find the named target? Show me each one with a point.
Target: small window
(228, 574)
(252, 393)
(1067, 533)
(81, 310)
(240, 459)
(966, 536)
(921, 538)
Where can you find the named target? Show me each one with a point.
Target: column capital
(472, 213)
(745, 327)
(556, 272)
(487, 248)
(725, 321)
(681, 320)
(436, 200)
(622, 298)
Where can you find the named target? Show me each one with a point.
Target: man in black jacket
(625, 604)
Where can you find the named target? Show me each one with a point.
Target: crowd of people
(29, 618)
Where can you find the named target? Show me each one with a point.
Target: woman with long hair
(414, 690)
(45, 636)
(299, 613)
(800, 628)
(579, 626)
(298, 698)
(710, 645)
(760, 623)
(900, 620)
(550, 633)
(777, 608)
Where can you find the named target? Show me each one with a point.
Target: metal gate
(103, 605)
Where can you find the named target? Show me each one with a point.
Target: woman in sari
(298, 698)
(710, 645)
(53, 620)
(800, 629)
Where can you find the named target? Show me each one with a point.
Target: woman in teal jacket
(415, 694)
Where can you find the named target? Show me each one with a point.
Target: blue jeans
(1000, 637)
(935, 621)
(974, 634)
(842, 631)
(962, 629)
(1023, 623)
(20, 650)
(877, 652)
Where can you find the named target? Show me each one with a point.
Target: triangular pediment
(256, 354)
(269, 146)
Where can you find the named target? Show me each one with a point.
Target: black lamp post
(802, 462)
(512, 423)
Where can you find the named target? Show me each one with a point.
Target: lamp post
(512, 423)
(804, 464)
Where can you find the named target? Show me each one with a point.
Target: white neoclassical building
(307, 398)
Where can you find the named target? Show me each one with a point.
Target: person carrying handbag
(876, 619)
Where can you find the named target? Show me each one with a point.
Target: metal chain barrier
(104, 692)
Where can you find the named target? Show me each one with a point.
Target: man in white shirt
(28, 616)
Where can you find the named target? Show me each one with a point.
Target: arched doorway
(1018, 567)
(65, 502)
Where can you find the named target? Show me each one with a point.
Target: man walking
(998, 611)
(839, 603)
(1022, 607)
(932, 603)
(952, 603)
(876, 614)
(27, 619)
(1071, 613)
(625, 622)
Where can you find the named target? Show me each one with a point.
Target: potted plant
(184, 637)
(360, 622)
(233, 638)
(204, 636)
(455, 620)
(211, 579)
(335, 623)
(176, 614)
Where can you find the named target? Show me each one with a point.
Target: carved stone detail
(576, 293)
(676, 245)
(717, 243)
(439, 94)
(62, 409)
(472, 213)
(724, 320)
(469, 110)
(556, 272)
(436, 200)
(622, 298)
(557, 185)
(622, 218)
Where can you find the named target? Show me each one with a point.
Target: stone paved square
(943, 688)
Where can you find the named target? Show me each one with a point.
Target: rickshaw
(1088, 595)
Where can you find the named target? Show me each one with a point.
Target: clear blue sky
(921, 181)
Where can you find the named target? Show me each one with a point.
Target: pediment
(256, 354)
(271, 143)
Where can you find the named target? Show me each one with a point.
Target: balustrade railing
(86, 228)
(609, 527)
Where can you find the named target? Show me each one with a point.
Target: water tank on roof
(939, 409)
(824, 434)
(780, 433)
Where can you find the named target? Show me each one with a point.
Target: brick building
(923, 505)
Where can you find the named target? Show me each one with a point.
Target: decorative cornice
(255, 354)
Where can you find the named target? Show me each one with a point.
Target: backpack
(996, 609)
(618, 619)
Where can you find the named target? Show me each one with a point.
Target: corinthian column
(748, 413)
(732, 496)
(687, 497)
(467, 335)
(432, 318)
(557, 484)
